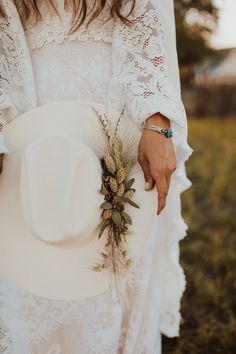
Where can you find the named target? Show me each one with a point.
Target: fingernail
(146, 185)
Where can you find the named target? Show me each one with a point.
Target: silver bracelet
(168, 133)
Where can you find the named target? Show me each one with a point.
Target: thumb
(149, 182)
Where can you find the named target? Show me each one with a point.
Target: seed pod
(110, 163)
(121, 190)
(117, 158)
(128, 263)
(117, 144)
(121, 174)
(129, 194)
(124, 253)
(113, 184)
(107, 214)
(117, 151)
(104, 255)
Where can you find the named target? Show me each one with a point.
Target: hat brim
(43, 269)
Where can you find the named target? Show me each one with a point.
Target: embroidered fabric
(135, 66)
(56, 28)
(17, 89)
(72, 71)
(32, 325)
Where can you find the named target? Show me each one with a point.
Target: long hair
(79, 9)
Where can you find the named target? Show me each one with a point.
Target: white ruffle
(3, 148)
(175, 229)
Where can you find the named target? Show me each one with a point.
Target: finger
(169, 173)
(149, 182)
(162, 190)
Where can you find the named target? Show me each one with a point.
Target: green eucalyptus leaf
(127, 200)
(126, 217)
(116, 218)
(104, 191)
(104, 226)
(129, 183)
(106, 206)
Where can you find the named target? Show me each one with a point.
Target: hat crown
(59, 189)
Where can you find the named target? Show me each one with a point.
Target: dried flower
(113, 184)
(129, 194)
(110, 163)
(117, 191)
(107, 214)
(120, 190)
(121, 174)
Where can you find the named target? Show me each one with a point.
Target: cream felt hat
(50, 201)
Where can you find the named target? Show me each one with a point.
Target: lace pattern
(60, 75)
(140, 78)
(17, 89)
(140, 67)
(32, 325)
(55, 29)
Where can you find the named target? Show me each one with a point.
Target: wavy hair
(79, 9)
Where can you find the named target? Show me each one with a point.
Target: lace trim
(53, 29)
(17, 91)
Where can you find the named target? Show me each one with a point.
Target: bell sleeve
(144, 80)
(17, 91)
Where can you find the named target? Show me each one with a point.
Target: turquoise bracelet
(168, 133)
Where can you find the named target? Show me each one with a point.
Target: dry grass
(208, 253)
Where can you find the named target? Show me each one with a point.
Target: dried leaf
(107, 214)
(130, 202)
(128, 263)
(129, 184)
(129, 193)
(116, 217)
(121, 190)
(104, 255)
(106, 206)
(103, 227)
(126, 217)
(104, 191)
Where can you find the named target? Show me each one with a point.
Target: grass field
(208, 253)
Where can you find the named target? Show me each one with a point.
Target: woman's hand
(1, 162)
(157, 159)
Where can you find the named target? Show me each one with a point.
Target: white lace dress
(99, 64)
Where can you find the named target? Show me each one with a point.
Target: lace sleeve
(140, 65)
(17, 92)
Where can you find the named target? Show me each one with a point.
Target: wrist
(158, 119)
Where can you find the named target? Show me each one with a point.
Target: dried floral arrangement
(116, 186)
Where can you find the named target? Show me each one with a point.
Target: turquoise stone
(169, 133)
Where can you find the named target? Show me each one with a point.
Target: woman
(126, 55)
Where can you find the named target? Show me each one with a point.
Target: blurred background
(206, 37)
